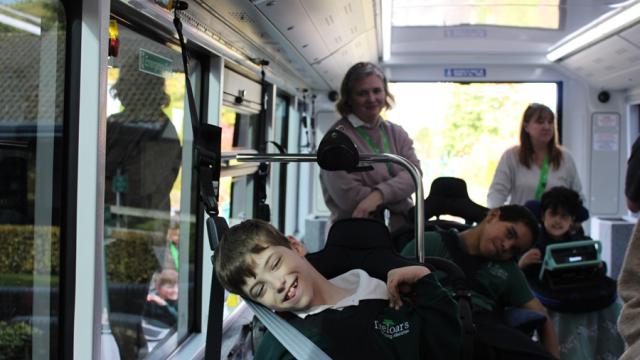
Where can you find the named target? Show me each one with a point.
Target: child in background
(162, 304)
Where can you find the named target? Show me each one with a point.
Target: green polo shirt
(505, 283)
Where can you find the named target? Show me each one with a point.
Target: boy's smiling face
(284, 279)
(557, 223)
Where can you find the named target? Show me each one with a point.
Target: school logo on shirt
(389, 329)
(497, 271)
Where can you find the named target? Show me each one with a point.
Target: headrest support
(449, 187)
(448, 196)
(337, 152)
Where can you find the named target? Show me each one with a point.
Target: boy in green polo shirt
(486, 253)
(351, 316)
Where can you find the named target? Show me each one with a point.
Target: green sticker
(120, 184)
(153, 64)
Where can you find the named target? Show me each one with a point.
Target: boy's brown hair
(231, 257)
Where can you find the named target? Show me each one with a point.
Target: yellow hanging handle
(233, 300)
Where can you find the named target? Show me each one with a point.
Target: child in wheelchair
(566, 273)
(561, 213)
(349, 316)
(486, 254)
(564, 268)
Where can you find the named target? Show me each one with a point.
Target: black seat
(358, 244)
(447, 196)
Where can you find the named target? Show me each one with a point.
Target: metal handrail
(364, 158)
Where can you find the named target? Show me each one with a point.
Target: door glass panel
(149, 209)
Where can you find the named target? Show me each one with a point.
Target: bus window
(149, 214)
(461, 130)
(32, 84)
(236, 190)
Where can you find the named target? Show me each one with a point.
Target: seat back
(358, 244)
(449, 196)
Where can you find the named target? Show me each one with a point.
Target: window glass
(32, 73)
(461, 130)
(277, 181)
(236, 186)
(227, 123)
(543, 14)
(149, 210)
(236, 189)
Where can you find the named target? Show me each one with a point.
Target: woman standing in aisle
(539, 162)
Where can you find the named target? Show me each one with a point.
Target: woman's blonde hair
(357, 72)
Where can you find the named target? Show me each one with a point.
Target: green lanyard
(174, 254)
(385, 143)
(542, 183)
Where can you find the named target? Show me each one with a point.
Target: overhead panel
(330, 35)
(240, 26)
(339, 22)
(329, 21)
(348, 30)
(336, 65)
(632, 35)
(613, 63)
(328, 69)
(291, 19)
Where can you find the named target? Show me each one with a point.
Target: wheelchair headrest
(448, 196)
(337, 152)
(359, 233)
(358, 244)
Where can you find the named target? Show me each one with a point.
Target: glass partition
(149, 206)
